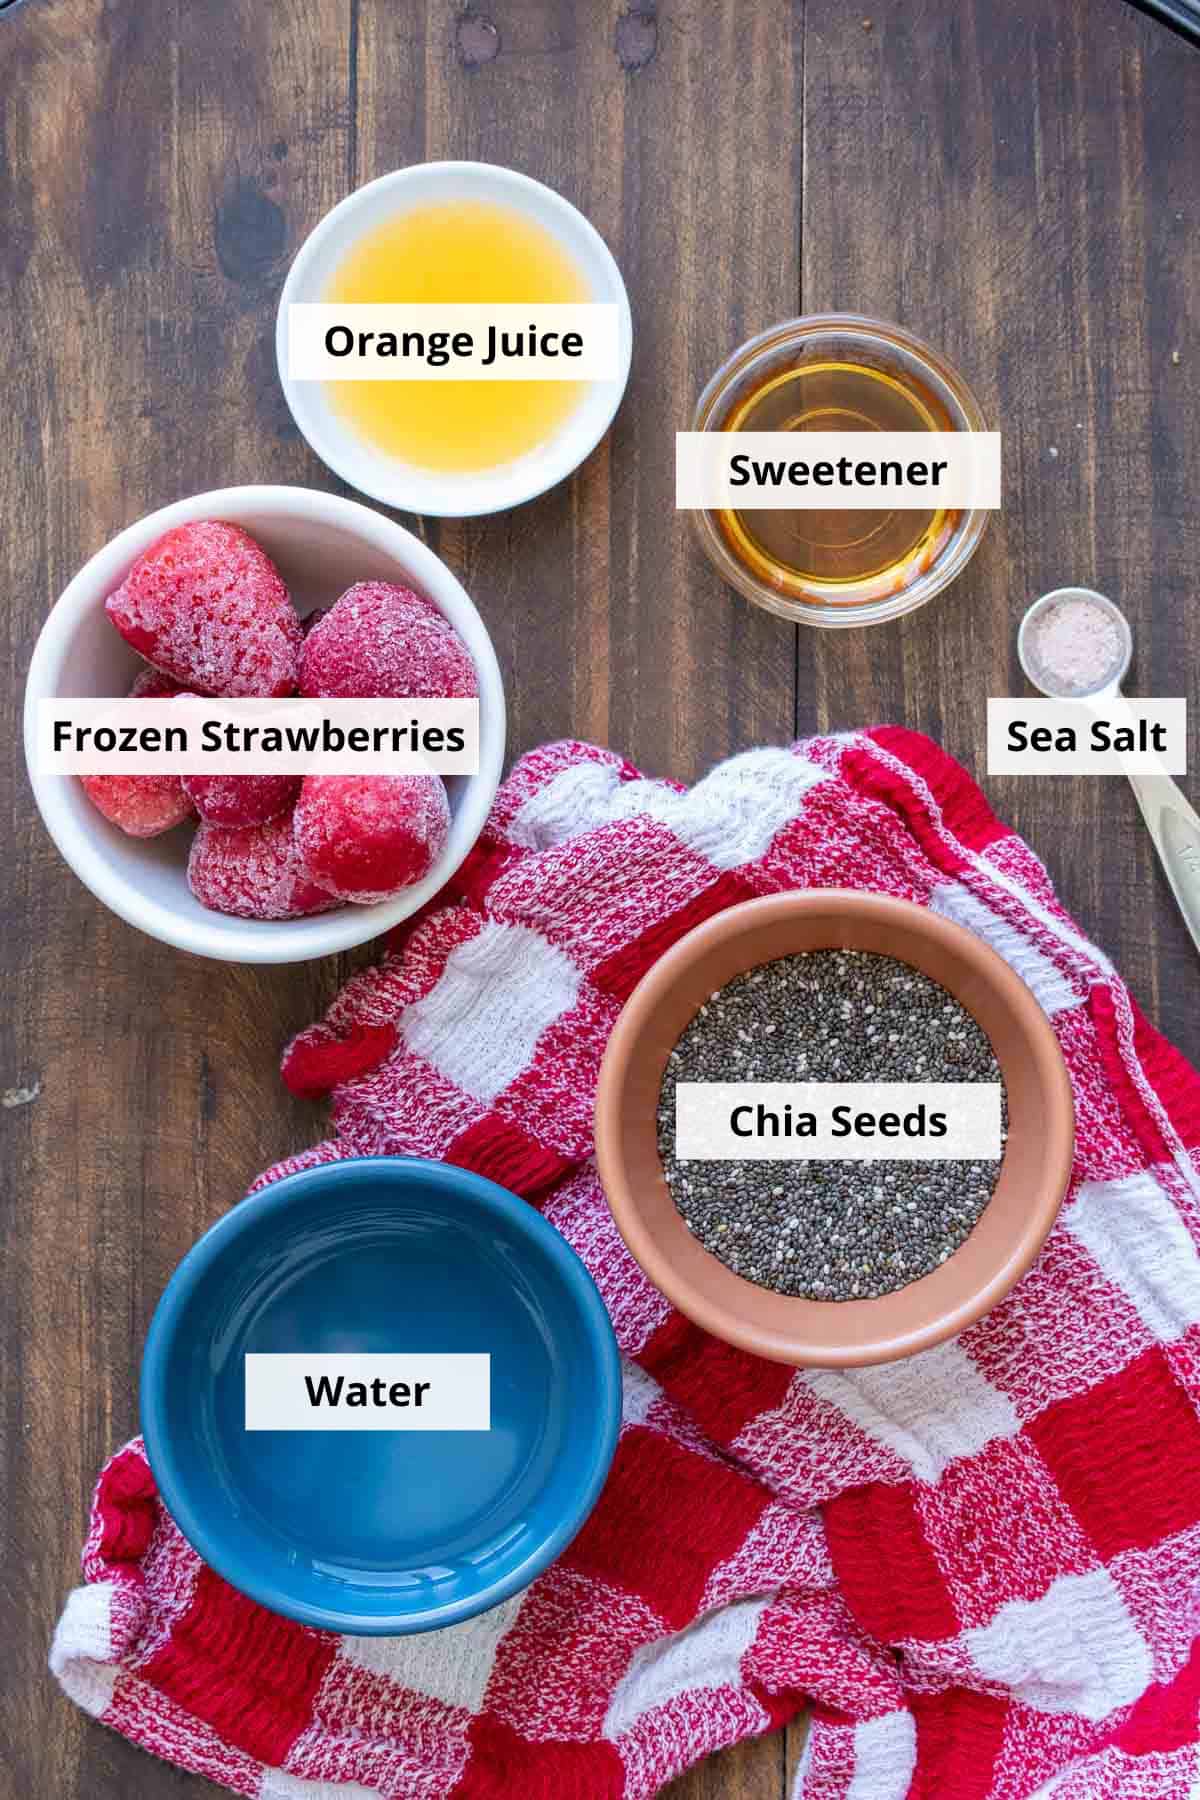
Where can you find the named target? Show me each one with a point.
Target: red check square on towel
(978, 1569)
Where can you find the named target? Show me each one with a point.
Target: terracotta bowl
(1033, 1175)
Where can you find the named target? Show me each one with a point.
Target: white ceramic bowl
(436, 492)
(321, 544)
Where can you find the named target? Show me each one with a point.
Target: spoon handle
(1174, 827)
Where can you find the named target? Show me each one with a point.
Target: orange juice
(457, 252)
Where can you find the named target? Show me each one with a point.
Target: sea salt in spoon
(1075, 644)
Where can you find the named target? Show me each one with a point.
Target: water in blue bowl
(385, 1531)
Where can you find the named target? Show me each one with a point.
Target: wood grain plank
(1016, 182)
(606, 620)
(160, 167)
(1037, 221)
(754, 1770)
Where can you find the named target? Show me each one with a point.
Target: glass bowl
(932, 390)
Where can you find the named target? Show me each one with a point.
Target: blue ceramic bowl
(383, 1532)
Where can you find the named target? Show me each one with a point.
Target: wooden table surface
(1014, 179)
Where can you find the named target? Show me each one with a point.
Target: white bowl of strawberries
(213, 595)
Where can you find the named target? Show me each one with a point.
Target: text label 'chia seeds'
(859, 1121)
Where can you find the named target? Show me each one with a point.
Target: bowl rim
(498, 491)
(819, 611)
(269, 1203)
(739, 1328)
(224, 938)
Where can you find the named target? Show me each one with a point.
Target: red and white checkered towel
(979, 1568)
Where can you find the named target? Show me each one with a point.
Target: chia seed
(829, 1230)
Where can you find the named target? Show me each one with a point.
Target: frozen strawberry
(152, 684)
(142, 805)
(241, 799)
(206, 605)
(253, 871)
(380, 641)
(364, 837)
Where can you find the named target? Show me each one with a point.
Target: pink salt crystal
(1076, 646)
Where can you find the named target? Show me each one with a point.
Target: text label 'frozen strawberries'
(191, 735)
